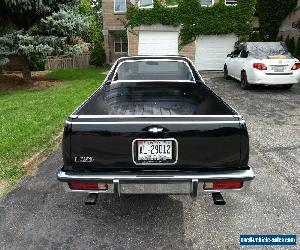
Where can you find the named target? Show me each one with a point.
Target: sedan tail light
(296, 66)
(260, 66)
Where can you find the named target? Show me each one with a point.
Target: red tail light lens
(296, 66)
(219, 185)
(260, 66)
(84, 185)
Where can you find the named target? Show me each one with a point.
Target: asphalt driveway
(38, 214)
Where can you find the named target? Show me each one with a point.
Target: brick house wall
(113, 28)
(189, 51)
(113, 25)
(133, 42)
(111, 20)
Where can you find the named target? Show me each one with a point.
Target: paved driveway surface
(39, 215)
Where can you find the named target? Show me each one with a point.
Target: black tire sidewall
(287, 86)
(226, 76)
(244, 81)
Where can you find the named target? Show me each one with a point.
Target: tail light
(87, 186)
(260, 66)
(296, 66)
(220, 185)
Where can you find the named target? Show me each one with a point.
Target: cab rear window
(145, 70)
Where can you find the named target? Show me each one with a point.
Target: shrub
(280, 39)
(291, 45)
(297, 50)
(255, 37)
(287, 41)
(98, 56)
(37, 63)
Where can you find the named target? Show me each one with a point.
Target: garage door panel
(158, 43)
(211, 51)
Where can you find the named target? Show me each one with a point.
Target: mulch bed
(12, 80)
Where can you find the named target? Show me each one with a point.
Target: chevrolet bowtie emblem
(155, 130)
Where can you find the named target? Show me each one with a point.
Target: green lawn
(30, 119)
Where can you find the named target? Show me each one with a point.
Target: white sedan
(263, 63)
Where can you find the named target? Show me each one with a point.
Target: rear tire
(226, 76)
(287, 86)
(244, 81)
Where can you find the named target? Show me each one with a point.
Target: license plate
(160, 151)
(278, 68)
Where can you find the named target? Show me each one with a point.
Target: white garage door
(158, 43)
(211, 51)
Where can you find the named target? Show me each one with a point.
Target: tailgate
(203, 142)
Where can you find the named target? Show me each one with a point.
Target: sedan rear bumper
(262, 78)
(157, 182)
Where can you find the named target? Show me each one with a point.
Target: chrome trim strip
(152, 81)
(157, 122)
(243, 175)
(154, 116)
(154, 59)
(154, 164)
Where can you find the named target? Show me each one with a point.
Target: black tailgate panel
(201, 144)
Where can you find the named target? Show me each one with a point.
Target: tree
(93, 34)
(97, 8)
(39, 28)
(98, 56)
(255, 37)
(23, 14)
(92, 8)
(287, 41)
(271, 14)
(297, 51)
(280, 38)
(292, 46)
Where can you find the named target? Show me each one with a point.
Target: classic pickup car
(154, 127)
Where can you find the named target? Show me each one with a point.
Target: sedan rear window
(267, 50)
(153, 70)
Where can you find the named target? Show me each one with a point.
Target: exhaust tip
(91, 199)
(218, 199)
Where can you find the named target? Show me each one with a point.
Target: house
(291, 24)
(208, 51)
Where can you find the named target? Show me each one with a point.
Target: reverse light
(220, 185)
(87, 186)
(260, 66)
(296, 66)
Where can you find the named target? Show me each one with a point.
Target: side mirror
(108, 82)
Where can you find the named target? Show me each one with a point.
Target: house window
(231, 2)
(207, 2)
(121, 46)
(120, 6)
(146, 3)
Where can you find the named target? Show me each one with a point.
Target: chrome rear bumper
(157, 182)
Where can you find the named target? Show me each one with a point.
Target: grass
(31, 118)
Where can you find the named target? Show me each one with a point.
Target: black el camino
(154, 127)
